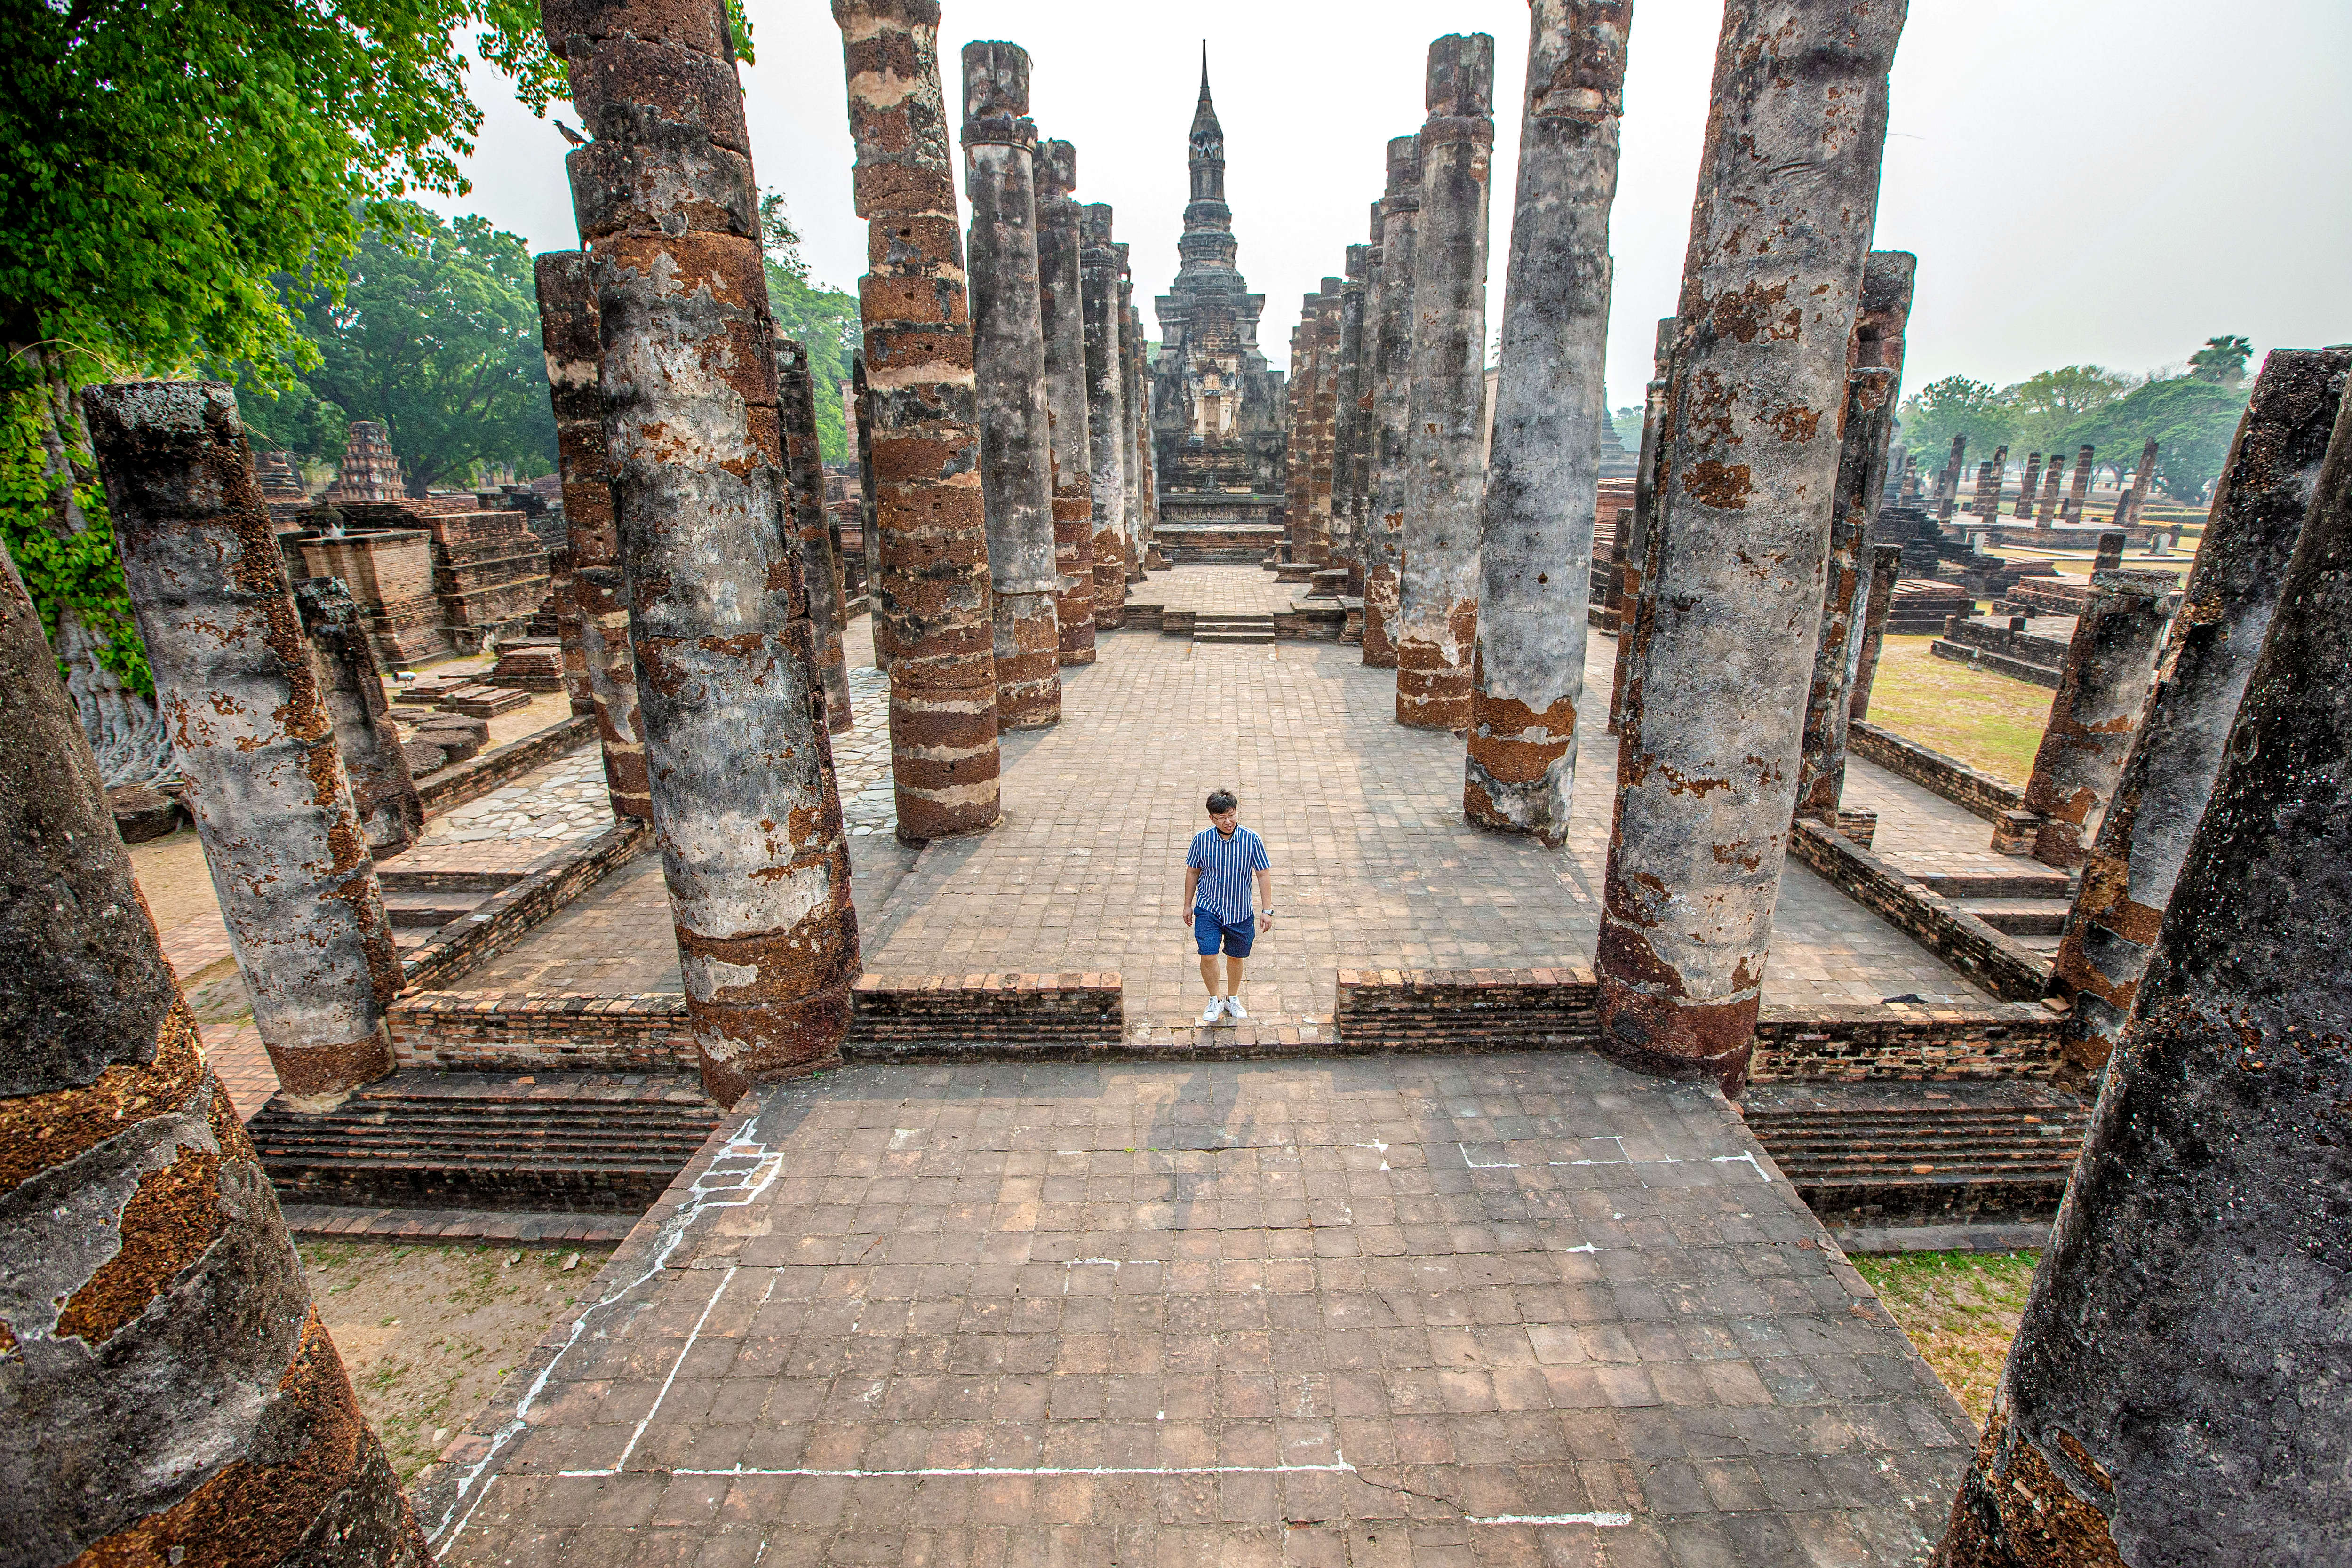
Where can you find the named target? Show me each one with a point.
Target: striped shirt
(1224, 865)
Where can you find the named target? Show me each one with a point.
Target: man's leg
(1209, 975)
(1233, 974)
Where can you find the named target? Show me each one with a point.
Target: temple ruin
(764, 866)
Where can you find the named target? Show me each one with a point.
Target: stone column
(1107, 420)
(1948, 489)
(1444, 477)
(744, 805)
(2079, 494)
(1147, 476)
(1885, 566)
(1322, 421)
(2135, 498)
(807, 532)
(570, 335)
(1869, 397)
(1008, 333)
(1391, 391)
(236, 686)
(868, 527)
(2100, 694)
(170, 1395)
(1707, 770)
(351, 687)
(2048, 516)
(1061, 306)
(2259, 504)
(2109, 556)
(1543, 473)
(1348, 393)
(2024, 507)
(1367, 419)
(1306, 367)
(932, 594)
(1656, 408)
(2172, 1395)
(559, 590)
(1136, 418)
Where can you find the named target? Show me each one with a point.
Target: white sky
(2101, 180)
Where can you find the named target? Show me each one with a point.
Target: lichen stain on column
(1542, 482)
(1724, 650)
(236, 685)
(933, 599)
(1445, 478)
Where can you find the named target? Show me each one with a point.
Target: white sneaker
(1213, 1011)
(1234, 1009)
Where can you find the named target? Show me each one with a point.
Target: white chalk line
(746, 1186)
(1623, 1159)
(1337, 1467)
(1605, 1521)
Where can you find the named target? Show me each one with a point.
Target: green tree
(2043, 407)
(1953, 406)
(826, 319)
(435, 332)
(2192, 421)
(2222, 360)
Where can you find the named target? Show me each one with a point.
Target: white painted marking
(1339, 1467)
(1476, 1165)
(1604, 1521)
(1755, 1164)
(685, 1350)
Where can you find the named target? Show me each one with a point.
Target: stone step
(421, 1139)
(2021, 917)
(1921, 1153)
(2016, 884)
(429, 911)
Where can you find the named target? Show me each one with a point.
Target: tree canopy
(436, 335)
(2043, 407)
(1953, 406)
(2192, 421)
(824, 318)
(2221, 360)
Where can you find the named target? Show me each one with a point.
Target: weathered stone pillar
(1146, 484)
(1870, 398)
(1707, 780)
(806, 531)
(170, 1395)
(2100, 694)
(1062, 307)
(1885, 566)
(1323, 421)
(2079, 494)
(1444, 468)
(2024, 507)
(1132, 399)
(2109, 556)
(1367, 420)
(1947, 489)
(567, 631)
(2173, 1393)
(1306, 353)
(351, 687)
(2259, 504)
(236, 686)
(1391, 397)
(1543, 473)
(868, 526)
(1346, 404)
(570, 335)
(2047, 517)
(2135, 498)
(1107, 420)
(932, 590)
(744, 805)
(1656, 408)
(1016, 476)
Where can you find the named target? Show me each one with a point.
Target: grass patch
(428, 1332)
(1987, 721)
(1960, 1308)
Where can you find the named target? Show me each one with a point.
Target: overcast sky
(2084, 181)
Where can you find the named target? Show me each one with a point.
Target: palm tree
(2221, 360)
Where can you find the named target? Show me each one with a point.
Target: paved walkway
(1452, 1310)
(1219, 590)
(1375, 863)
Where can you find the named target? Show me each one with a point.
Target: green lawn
(1960, 1308)
(1987, 721)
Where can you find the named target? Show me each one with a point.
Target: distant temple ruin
(1216, 407)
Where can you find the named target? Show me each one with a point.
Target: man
(1217, 873)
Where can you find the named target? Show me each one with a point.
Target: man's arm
(1191, 886)
(1265, 891)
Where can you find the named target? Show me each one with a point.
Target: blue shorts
(1207, 928)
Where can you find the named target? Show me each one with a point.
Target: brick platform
(1491, 1308)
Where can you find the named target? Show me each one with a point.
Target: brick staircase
(1208, 627)
(422, 1139)
(1938, 1152)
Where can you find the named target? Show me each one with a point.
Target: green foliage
(2043, 407)
(1627, 422)
(2191, 419)
(826, 319)
(1953, 406)
(2222, 360)
(75, 572)
(436, 334)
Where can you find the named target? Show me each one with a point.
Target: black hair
(1221, 801)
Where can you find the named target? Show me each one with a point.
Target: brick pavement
(1218, 591)
(1921, 832)
(1375, 866)
(1461, 1311)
